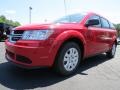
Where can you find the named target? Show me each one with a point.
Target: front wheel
(111, 53)
(68, 58)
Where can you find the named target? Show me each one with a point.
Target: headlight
(37, 34)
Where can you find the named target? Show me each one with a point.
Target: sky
(49, 10)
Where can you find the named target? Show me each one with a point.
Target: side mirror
(92, 22)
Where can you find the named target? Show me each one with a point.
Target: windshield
(74, 18)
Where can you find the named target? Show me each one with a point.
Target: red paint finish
(42, 53)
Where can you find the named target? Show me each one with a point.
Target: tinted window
(105, 23)
(74, 18)
(111, 25)
(95, 17)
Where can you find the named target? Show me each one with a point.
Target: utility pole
(30, 12)
(65, 7)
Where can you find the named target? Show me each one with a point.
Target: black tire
(65, 50)
(111, 53)
(0, 36)
(0, 39)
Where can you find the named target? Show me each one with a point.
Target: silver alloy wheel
(71, 59)
(113, 49)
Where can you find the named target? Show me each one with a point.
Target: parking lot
(95, 73)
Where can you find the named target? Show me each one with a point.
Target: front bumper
(34, 55)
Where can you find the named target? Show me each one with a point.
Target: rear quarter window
(112, 26)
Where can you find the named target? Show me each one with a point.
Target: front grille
(18, 31)
(16, 35)
(15, 38)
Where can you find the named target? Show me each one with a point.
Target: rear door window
(95, 17)
(105, 23)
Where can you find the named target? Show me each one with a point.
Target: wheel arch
(77, 41)
(67, 36)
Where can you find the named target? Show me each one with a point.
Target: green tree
(16, 23)
(3, 19)
(117, 26)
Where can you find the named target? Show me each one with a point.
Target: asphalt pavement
(95, 73)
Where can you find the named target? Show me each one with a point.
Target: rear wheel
(112, 52)
(68, 58)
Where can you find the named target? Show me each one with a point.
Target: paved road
(96, 73)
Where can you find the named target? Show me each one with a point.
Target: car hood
(50, 26)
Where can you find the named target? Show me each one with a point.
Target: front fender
(66, 35)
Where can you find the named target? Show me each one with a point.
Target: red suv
(62, 44)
